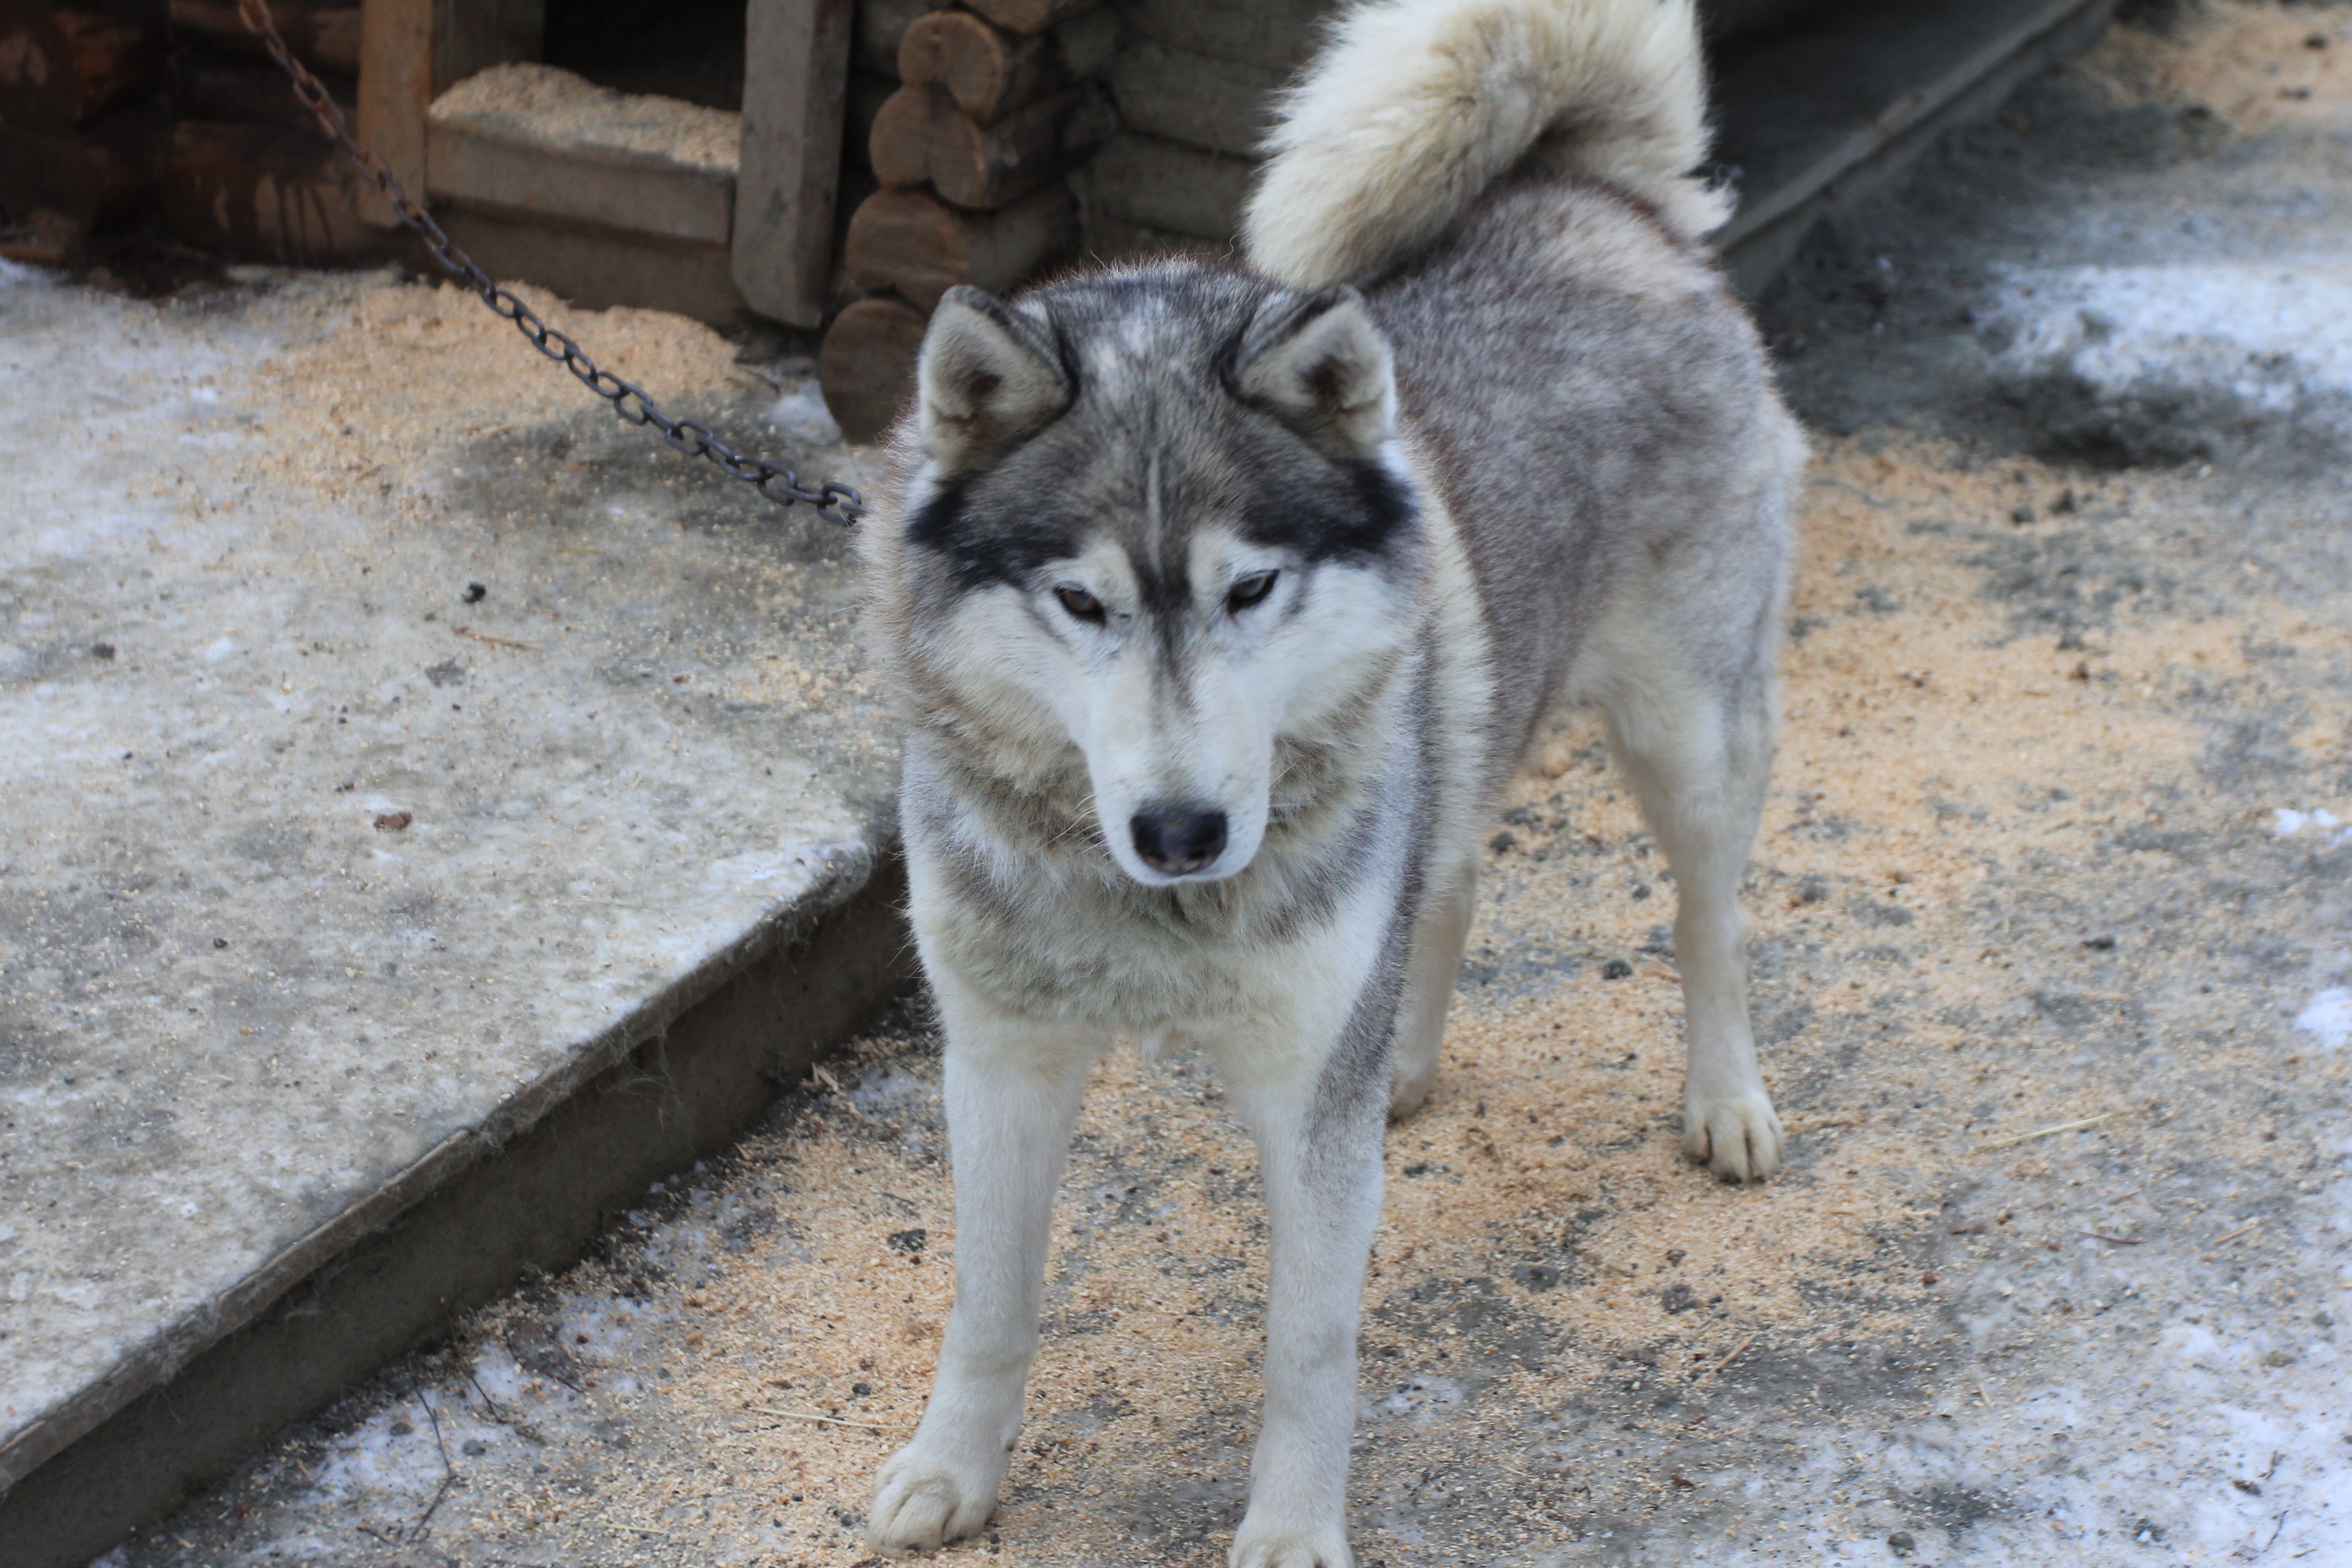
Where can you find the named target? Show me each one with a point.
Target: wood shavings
(2011, 1142)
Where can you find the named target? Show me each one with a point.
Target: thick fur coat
(1220, 602)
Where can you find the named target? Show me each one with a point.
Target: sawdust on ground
(549, 103)
(1931, 754)
(2259, 66)
(1916, 769)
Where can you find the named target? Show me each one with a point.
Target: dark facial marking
(1354, 512)
(981, 551)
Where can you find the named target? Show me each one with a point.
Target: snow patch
(2275, 333)
(2285, 823)
(17, 275)
(2329, 1017)
(801, 414)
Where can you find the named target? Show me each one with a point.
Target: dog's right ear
(988, 378)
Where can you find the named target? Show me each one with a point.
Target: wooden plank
(898, 147)
(919, 244)
(597, 268)
(867, 365)
(263, 193)
(988, 71)
(509, 170)
(395, 89)
(1185, 96)
(920, 136)
(796, 87)
(1165, 186)
(1275, 33)
(323, 34)
(63, 65)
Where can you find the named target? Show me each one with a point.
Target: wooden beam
(395, 89)
(988, 70)
(916, 244)
(1219, 104)
(867, 365)
(263, 193)
(1166, 185)
(412, 50)
(920, 136)
(795, 92)
(1277, 33)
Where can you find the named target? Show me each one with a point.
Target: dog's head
(1159, 528)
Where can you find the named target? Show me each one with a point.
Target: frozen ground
(393, 742)
(2054, 945)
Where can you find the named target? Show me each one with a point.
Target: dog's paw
(1291, 1546)
(1736, 1136)
(921, 1501)
(1408, 1092)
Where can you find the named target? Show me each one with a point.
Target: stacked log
(81, 124)
(249, 173)
(997, 100)
(1194, 85)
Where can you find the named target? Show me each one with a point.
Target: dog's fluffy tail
(1415, 106)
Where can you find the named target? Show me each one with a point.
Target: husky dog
(1222, 603)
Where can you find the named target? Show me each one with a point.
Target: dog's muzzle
(1181, 841)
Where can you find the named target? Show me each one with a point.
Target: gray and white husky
(1221, 602)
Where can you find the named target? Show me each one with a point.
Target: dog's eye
(1251, 590)
(1080, 602)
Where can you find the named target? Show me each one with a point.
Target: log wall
(82, 119)
(992, 104)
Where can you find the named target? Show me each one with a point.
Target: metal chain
(772, 479)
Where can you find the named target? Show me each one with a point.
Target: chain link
(772, 479)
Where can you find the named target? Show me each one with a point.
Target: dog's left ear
(989, 378)
(1321, 365)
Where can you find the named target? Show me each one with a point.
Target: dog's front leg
(1319, 1130)
(1012, 1090)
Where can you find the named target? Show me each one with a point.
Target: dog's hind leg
(1438, 940)
(1012, 1087)
(1697, 751)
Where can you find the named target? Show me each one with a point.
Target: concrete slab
(398, 742)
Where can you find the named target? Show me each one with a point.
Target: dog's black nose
(1178, 842)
